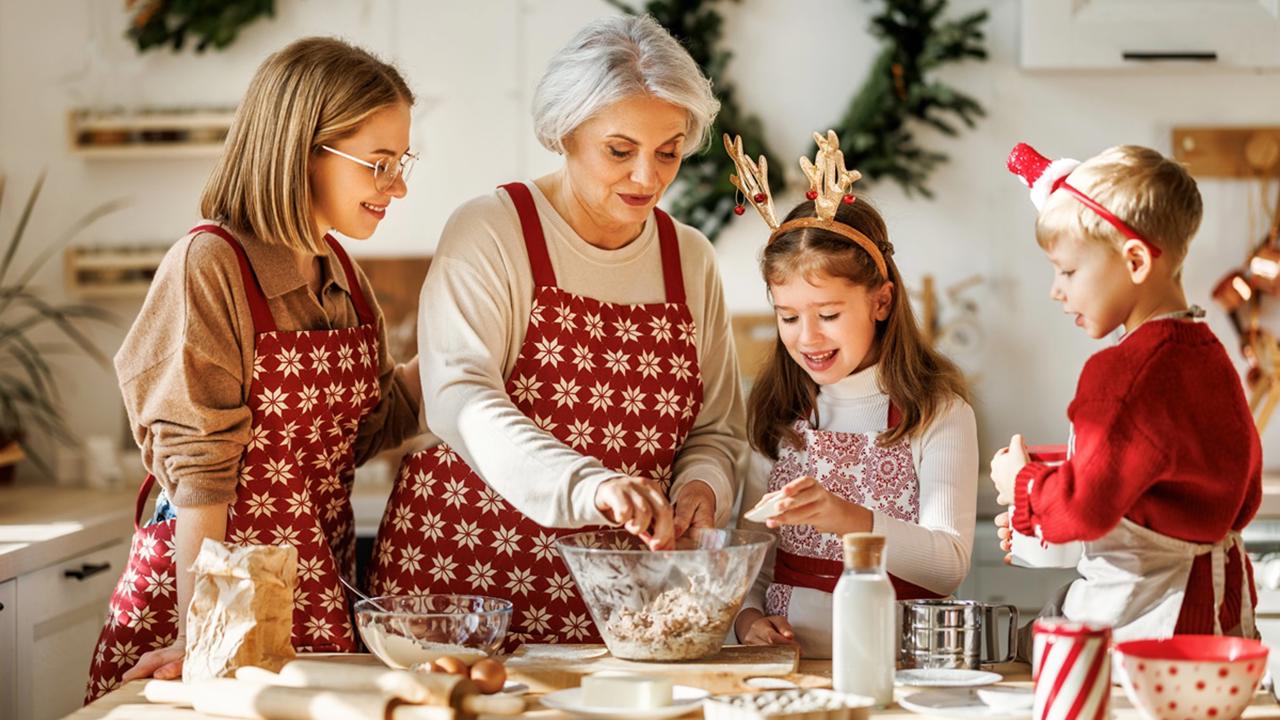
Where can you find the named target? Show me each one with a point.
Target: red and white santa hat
(1038, 172)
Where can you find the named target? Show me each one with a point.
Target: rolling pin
(251, 701)
(438, 689)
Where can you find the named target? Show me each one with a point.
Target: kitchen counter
(44, 524)
(127, 700)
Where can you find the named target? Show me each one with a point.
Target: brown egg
(451, 665)
(488, 675)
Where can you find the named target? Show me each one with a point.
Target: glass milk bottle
(864, 645)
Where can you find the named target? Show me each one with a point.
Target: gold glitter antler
(752, 180)
(830, 182)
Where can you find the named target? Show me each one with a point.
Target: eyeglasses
(385, 171)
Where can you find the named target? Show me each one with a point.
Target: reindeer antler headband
(830, 184)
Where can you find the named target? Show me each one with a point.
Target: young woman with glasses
(257, 374)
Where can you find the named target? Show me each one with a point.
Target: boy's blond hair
(313, 92)
(1151, 193)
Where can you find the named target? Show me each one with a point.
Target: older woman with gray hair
(577, 360)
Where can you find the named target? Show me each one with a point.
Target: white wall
(474, 65)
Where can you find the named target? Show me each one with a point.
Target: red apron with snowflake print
(617, 382)
(853, 467)
(308, 393)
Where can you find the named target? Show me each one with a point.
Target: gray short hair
(610, 60)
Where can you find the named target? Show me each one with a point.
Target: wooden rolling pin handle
(492, 705)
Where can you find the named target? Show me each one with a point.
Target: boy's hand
(1005, 532)
(1005, 466)
(807, 502)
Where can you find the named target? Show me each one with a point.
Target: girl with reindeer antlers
(868, 427)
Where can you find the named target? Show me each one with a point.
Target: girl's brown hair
(313, 92)
(919, 380)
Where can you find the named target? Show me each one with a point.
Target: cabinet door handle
(87, 570)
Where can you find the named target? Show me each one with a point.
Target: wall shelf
(107, 272)
(157, 134)
(1228, 152)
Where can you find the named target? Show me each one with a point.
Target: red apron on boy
(853, 467)
(614, 381)
(308, 393)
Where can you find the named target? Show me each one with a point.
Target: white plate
(957, 704)
(684, 699)
(942, 677)
(766, 508)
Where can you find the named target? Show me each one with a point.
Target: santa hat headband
(1044, 176)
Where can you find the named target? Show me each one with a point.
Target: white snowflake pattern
(125, 653)
(310, 568)
(537, 619)
(548, 352)
(545, 422)
(520, 580)
(141, 618)
(318, 627)
(401, 518)
(261, 504)
(593, 325)
(688, 332)
(526, 389)
(334, 394)
(505, 540)
(566, 320)
(258, 437)
(442, 569)
(633, 400)
(535, 312)
(244, 535)
(455, 492)
(433, 526)
(299, 502)
(258, 369)
(489, 501)
(601, 396)
(159, 584)
(582, 359)
(273, 402)
(146, 546)
(289, 362)
(577, 626)
(482, 575)
(560, 586)
(287, 535)
(422, 483)
(580, 434)
(626, 330)
(648, 363)
(617, 361)
(411, 558)
(320, 359)
(666, 402)
(661, 328)
(467, 533)
(278, 470)
(544, 546)
(346, 358)
(288, 433)
(566, 392)
(681, 367)
(332, 598)
(614, 435)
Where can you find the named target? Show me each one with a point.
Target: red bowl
(1198, 676)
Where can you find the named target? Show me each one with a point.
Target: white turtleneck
(933, 553)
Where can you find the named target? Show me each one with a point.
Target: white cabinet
(8, 647)
(58, 612)
(1097, 34)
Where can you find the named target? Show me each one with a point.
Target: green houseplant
(32, 332)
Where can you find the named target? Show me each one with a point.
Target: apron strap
(822, 574)
(669, 242)
(261, 312)
(363, 311)
(144, 492)
(534, 240)
(895, 415)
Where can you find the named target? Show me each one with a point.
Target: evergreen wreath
(876, 130)
(701, 194)
(157, 23)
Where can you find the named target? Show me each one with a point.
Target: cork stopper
(863, 551)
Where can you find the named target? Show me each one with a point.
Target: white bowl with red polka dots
(1191, 676)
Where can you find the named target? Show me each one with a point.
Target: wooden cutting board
(551, 667)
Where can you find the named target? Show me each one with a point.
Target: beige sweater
(471, 324)
(185, 365)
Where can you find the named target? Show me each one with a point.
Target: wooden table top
(127, 701)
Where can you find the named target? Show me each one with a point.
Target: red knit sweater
(1163, 437)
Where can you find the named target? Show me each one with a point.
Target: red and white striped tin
(1071, 669)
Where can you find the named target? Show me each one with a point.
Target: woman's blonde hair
(918, 379)
(313, 92)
